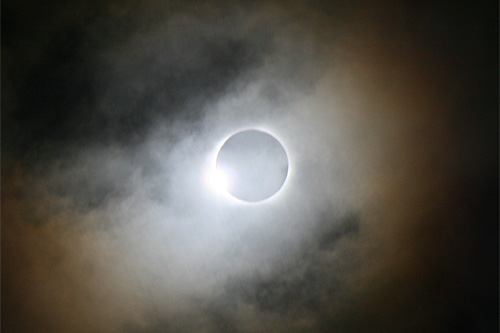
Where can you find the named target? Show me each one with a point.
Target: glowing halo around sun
(218, 180)
(250, 166)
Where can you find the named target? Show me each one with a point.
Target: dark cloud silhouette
(112, 116)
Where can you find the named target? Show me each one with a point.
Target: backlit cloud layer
(112, 115)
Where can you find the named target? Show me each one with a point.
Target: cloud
(114, 119)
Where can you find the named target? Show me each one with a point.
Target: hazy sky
(112, 114)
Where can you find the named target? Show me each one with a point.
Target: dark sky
(112, 114)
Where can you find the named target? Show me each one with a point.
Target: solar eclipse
(251, 166)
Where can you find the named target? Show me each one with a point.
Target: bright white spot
(218, 180)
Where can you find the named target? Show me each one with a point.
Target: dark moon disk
(255, 165)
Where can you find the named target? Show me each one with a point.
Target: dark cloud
(112, 114)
